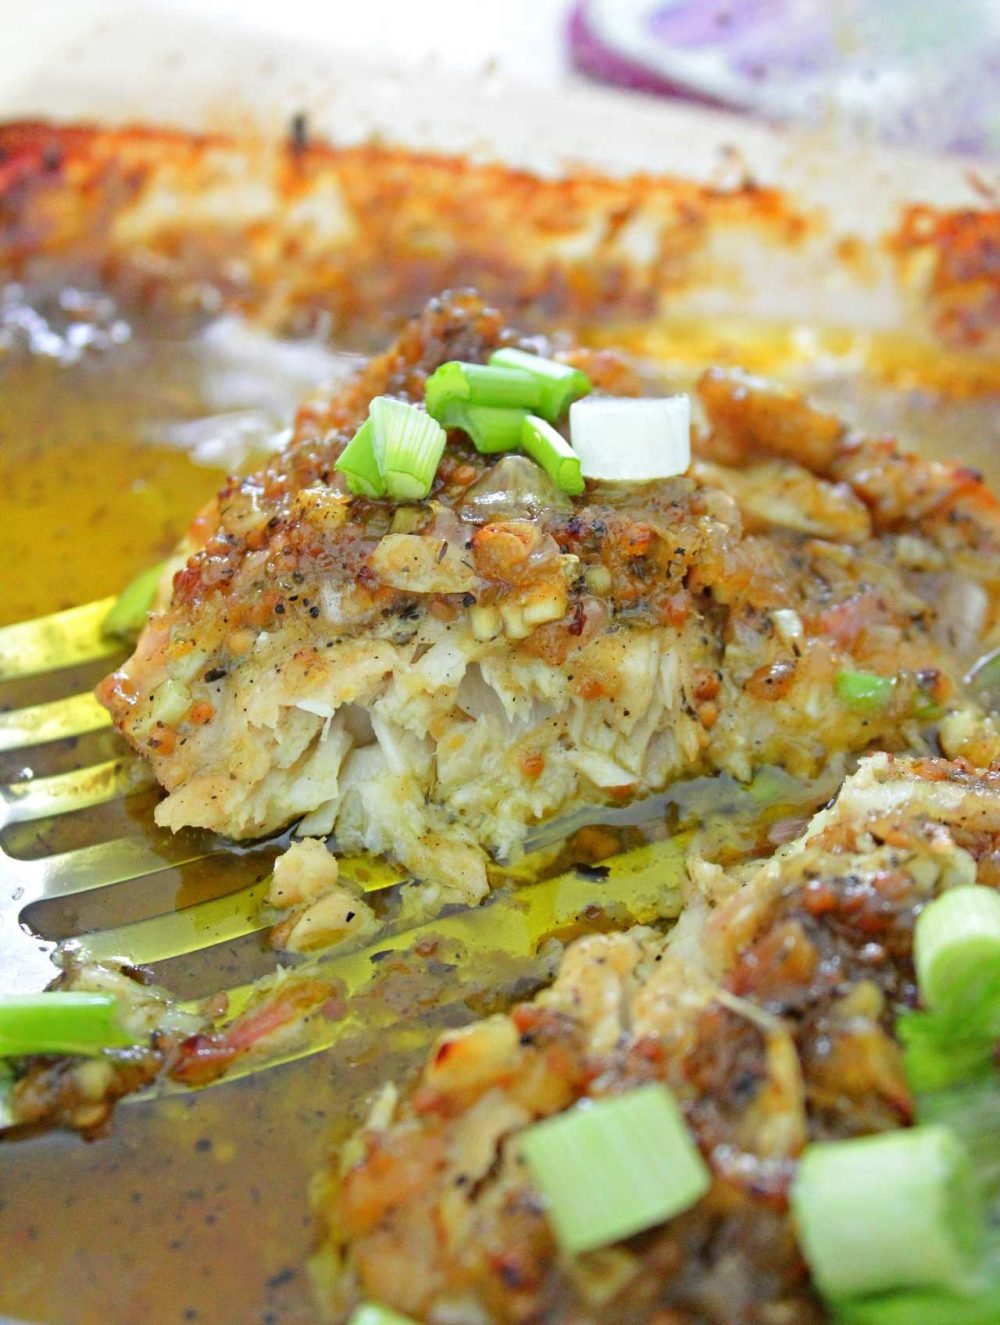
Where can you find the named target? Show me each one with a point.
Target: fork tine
(100, 866)
(513, 920)
(642, 885)
(50, 643)
(52, 721)
(217, 920)
(21, 802)
(176, 933)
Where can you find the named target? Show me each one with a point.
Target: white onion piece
(631, 440)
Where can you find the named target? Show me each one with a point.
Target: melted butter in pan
(110, 443)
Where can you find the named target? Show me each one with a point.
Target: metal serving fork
(82, 864)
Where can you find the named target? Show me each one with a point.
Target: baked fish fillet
(769, 1012)
(430, 680)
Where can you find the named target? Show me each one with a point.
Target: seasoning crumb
(593, 871)
(298, 132)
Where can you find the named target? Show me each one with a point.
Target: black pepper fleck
(298, 132)
(593, 871)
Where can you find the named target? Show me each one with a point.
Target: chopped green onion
(491, 428)
(956, 948)
(615, 1166)
(561, 383)
(866, 691)
(923, 1308)
(408, 446)
(395, 453)
(358, 464)
(897, 1210)
(7, 1115)
(550, 449)
(60, 1022)
(371, 1314)
(635, 441)
(129, 611)
(971, 1113)
(170, 701)
(481, 384)
(945, 1049)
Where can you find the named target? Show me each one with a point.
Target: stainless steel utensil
(37, 869)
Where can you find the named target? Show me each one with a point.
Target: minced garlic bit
(324, 908)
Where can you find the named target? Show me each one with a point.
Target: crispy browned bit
(959, 248)
(772, 681)
(749, 418)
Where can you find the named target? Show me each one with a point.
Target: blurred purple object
(591, 56)
(924, 73)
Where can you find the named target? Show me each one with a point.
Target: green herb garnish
(560, 383)
(865, 691)
(489, 385)
(493, 429)
(549, 448)
(897, 1210)
(612, 1167)
(358, 464)
(129, 611)
(408, 445)
(60, 1022)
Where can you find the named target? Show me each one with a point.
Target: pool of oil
(112, 433)
(196, 1208)
(89, 498)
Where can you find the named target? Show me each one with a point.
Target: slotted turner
(58, 886)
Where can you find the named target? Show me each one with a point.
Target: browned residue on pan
(956, 258)
(364, 234)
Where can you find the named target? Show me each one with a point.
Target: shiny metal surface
(37, 871)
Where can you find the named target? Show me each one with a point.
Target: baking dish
(735, 233)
